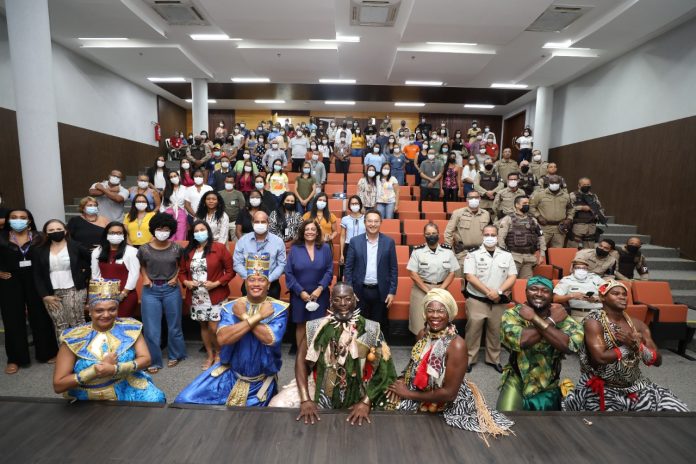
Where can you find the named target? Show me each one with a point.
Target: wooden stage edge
(54, 430)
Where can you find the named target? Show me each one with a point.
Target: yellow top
(139, 229)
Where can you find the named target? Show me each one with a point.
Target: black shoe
(497, 367)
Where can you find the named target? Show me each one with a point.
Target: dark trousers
(525, 154)
(327, 164)
(297, 164)
(273, 291)
(342, 166)
(372, 307)
(18, 298)
(430, 194)
(451, 193)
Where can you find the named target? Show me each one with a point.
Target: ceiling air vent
(558, 17)
(376, 13)
(178, 12)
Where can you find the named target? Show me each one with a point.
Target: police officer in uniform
(521, 234)
(465, 228)
(432, 265)
(488, 184)
(579, 290)
(537, 166)
(198, 153)
(490, 273)
(504, 203)
(552, 208)
(600, 260)
(528, 181)
(585, 220)
(552, 170)
(631, 260)
(506, 165)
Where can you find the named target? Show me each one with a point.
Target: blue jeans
(386, 210)
(356, 152)
(155, 300)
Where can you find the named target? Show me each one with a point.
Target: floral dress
(202, 308)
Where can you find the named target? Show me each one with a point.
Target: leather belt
(370, 286)
(433, 283)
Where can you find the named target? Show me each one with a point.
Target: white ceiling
(384, 56)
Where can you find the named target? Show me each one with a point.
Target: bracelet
(648, 355)
(86, 375)
(540, 323)
(366, 401)
(552, 321)
(253, 320)
(304, 396)
(618, 353)
(125, 368)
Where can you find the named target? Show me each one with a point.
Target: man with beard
(538, 334)
(349, 359)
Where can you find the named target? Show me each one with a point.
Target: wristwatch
(500, 292)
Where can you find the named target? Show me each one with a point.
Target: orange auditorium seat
(669, 320)
(408, 210)
(561, 258)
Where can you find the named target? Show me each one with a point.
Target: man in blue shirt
(261, 241)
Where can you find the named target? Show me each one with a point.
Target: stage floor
(49, 430)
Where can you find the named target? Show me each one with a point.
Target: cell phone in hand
(589, 294)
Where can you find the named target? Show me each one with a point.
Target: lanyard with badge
(24, 249)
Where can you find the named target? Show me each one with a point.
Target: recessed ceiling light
(270, 102)
(102, 38)
(337, 81)
(189, 100)
(564, 44)
(435, 83)
(339, 38)
(339, 102)
(455, 44)
(477, 105)
(249, 80)
(166, 79)
(409, 104)
(501, 85)
(212, 37)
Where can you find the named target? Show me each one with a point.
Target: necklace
(605, 324)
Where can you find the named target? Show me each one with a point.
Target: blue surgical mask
(201, 236)
(91, 209)
(18, 225)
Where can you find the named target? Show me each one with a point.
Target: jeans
(155, 300)
(356, 152)
(430, 193)
(342, 166)
(386, 210)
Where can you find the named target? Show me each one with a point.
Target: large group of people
(236, 188)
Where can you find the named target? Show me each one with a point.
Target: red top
(245, 183)
(175, 142)
(111, 270)
(220, 270)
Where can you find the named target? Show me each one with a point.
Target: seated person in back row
(579, 290)
(601, 260)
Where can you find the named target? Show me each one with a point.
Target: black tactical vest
(523, 236)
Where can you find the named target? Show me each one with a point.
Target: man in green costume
(350, 363)
(538, 334)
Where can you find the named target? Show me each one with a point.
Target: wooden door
(512, 128)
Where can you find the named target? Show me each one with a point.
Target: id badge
(433, 174)
(139, 234)
(25, 263)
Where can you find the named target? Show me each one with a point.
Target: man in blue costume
(250, 333)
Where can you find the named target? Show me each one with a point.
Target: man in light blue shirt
(260, 241)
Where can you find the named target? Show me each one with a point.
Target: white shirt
(569, 284)
(220, 229)
(59, 268)
(469, 171)
(371, 266)
(299, 147)
(492, 271)
(525, 142)
(160, 182)
(129, 259)
(193, 196)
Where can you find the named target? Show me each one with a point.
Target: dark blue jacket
(387, 267)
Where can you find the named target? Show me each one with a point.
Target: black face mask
(601, 253)
(525, 209)
(489, 167)
(633, 249)
(432, 239)
(289, 206)
(56, 236)
(524, 169)
(586, 188)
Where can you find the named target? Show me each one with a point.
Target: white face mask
(229, 186)
(385, 172)
(185, 165)
(474, 203)
(512, 183)
(246, 156)
(174, 180)
(255, 202)
(259, 185)
(142, 184)
(472, 162)
(431, 156)
(114, 239)
(277, 167)
(274, 145)
(198, 180)
(321, 205)
(490, 241)
(554, 187)
(537, 157)
(355, 208)
(324, 142)
(225, 164)
(313, 147)
(397, 150)
(580, 274)
(375, 150)
(114, 180)
(160, 164)
(161, 235)
(371, 173)
(260, 228)
(315, 157)
(141, 206)
(247, 168)
(482, 150)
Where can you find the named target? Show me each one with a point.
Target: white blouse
(59, 269)
(130, 260)
(469, 171)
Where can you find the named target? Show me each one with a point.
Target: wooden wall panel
(171, 117)
(11, 170)
(514, 126)
(642, 177)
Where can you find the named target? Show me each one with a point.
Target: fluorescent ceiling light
(339, 102)
(443, 49)
(212, 37)
(286, 46)
(166, 79)
(477, 105)
(103, 38)
(436, 83)
(501, 85)
(270, 102)
(564, 44)
(337, 81)
(409, 104)
(339, 38)
(249, 80)
(189, 100)
(454, 44)
(576, 52)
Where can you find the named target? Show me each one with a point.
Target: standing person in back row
(110, 196)
(430, 171)
(506, 165)
(588, 212)
(521, 235)
(372, 270)
(552, 208)
(464, 230)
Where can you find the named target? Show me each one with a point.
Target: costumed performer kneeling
(103, 359)
(433, 380)
(349, 360)
(250, 332)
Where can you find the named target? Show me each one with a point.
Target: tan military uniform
(505, 167)
(550, 209)
(544, 183)
(603, 267)
(465, 231)
(525, 259)
(432, 267)
(492, 271)
(484, 182)
(504, 202)
(584, 224)
(538, 169)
